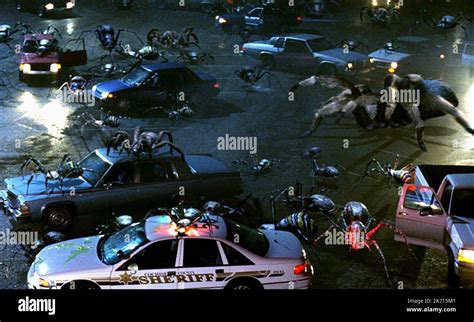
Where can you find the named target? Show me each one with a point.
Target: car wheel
(453, 279)
(58, 218)
(327, 70)
(244, 285)
(207, 7)
(123, 105)
(267, 61)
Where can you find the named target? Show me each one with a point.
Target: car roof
(461, 180)
(117, 157)
(301, 36)
(162, 227)
(163, 66)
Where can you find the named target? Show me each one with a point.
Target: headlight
(466, 256)
(350, 65)
(442, 56)
(70, 5)
(222, 21)
(105, 95)
(49, 6)
(394, 65)
(43, 283)
(371, 60)
(25, 68)
(94, 88)
(54, 68)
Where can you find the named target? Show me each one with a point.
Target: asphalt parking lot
(35, 123)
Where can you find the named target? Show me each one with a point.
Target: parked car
(153, 85)
(305, 53)
(42, 7)
(406, 53)
(268, 20)
(436, 212)
(117, 183)
(155, 253)
(41, 57)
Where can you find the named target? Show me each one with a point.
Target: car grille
(41, 67)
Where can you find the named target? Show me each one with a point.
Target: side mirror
(132, 268)
(426, 211)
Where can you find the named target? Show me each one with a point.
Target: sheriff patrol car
(158, 253)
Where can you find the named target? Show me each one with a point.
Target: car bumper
(10, 211)
(302, 284)
(465, 273)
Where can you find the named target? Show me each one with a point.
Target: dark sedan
(153, 85)
(42, 7)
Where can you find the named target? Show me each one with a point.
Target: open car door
(74, 53)
(421, 217)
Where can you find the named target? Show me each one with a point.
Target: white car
(156, 253)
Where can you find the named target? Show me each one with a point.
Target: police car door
(151, 267)
(201, 262)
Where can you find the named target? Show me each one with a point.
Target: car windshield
(319, 45)
(249, 238)
(94, 168)
(462, 203)
(30, 46)
(126, 241)
(136, 77)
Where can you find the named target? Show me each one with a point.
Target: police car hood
(68, 256)
(282, 244)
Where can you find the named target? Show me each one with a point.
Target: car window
(201, 253)
(255, 12)
(418, 198)
(152, 172)
(136, 77)
(462, 203)
(94, 168)
(446, 198)
(169, 80)
(122, 174)
(158, 255)
(279, 43)
(234, 257)
(296, 47)
(319, 44)
(188, 76)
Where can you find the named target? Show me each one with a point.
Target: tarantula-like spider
(87, 119)
(381, 16)
(406, 174)
(66, 169)
(7, 31)
(193, 57)
(446, 23)
(356, 224)
(173, 39)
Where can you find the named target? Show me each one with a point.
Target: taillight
(216, 86)
(299, 18)
(300, 268)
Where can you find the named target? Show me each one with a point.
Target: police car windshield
(249, 238)
(94, 168)
(126, 241)
(136, 77)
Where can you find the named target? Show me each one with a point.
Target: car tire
(244, 284)
(327, 70)
(267, 61)
(453, 279)
(207, 8)
(58, 218)
(123, 105)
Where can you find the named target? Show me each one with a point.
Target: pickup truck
(305, 52)
(118, 182)
(436, 212)
(405, 54)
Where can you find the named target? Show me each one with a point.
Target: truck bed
(433, 175)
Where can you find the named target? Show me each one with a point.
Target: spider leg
(401, 233)
(315, 240)
(374, 242)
